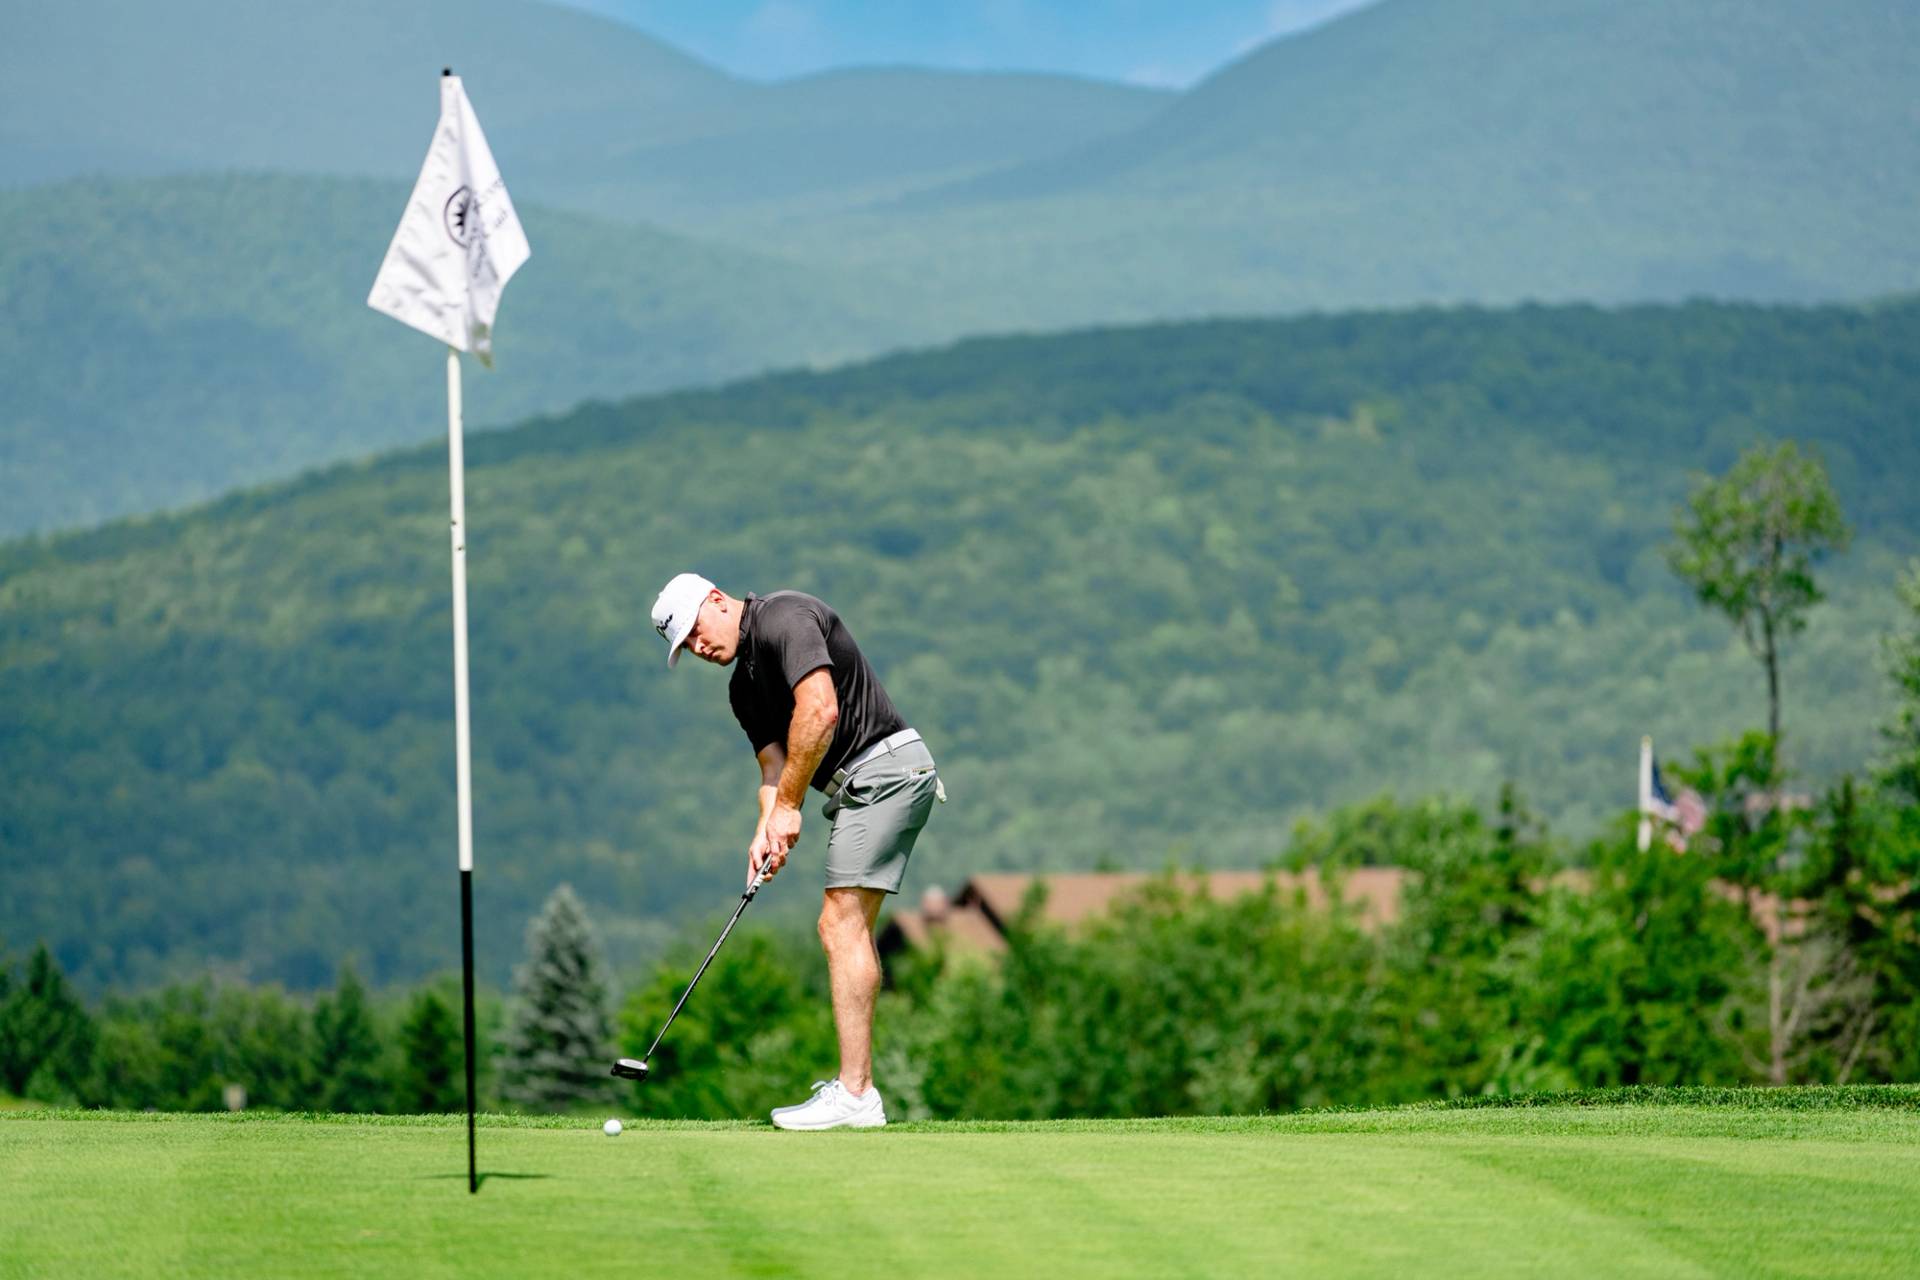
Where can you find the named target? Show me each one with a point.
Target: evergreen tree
(265, 1046)
(346, 1049)
(556, 1053)
(46, 1037)
(430, 1078)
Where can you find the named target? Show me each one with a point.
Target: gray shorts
(877, 817)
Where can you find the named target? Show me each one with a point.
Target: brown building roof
(964, 928)
(976, 921)
(1073, 897)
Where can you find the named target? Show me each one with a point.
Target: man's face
(716, 631)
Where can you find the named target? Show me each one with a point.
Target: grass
(1790, 1182)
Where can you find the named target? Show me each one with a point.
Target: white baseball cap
(677, 609)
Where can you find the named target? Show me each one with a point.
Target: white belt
(890, 743)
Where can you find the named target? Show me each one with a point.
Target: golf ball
(611, 1128)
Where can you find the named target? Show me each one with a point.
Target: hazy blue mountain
(167, 339)
(582, 111)
(1414, 150)
(117, 86)
(1107, 39)
(1477, 149)
(830, 143)
(1150, 593)
(1421, 89)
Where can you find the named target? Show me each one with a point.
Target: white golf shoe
(832, 1107)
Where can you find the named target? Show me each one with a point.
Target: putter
(636, 1068)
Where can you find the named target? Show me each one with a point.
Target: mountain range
(581, 112)
(1415, 151)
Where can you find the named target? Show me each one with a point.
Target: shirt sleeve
(801, 640)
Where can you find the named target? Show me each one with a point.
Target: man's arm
(773, 759)
(816, 710)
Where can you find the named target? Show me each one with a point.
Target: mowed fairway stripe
(1440, 1194)
(1755, 1207)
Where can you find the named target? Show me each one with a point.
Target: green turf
(1723, 1183)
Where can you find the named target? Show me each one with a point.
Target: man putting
(816, 715)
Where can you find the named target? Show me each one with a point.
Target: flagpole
(462, 729)
(457, 245)
(1646, 793)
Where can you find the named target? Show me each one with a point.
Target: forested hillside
(1150, 593)
(166, 340)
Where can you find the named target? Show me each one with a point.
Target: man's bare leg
(853, 969)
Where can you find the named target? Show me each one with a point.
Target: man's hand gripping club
(785, 772)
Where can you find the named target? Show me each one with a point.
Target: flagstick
(455, 249)
(463, 769)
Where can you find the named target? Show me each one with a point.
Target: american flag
(1684, 814)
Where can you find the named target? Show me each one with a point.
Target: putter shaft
(745, 898)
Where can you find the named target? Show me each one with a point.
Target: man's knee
(845, 919)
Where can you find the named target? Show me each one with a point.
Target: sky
(1163, 43)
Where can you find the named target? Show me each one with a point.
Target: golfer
(817, 716)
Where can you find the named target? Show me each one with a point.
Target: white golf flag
(459, 241)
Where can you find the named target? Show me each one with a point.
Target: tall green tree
(1627, 979)
(1747, 543)
(1899, 771)
(556, 1052)
(265, 1046)
(1860, 883)
(159, 1051)
(346, 1048)
(1475, 891)
(1797, 987)
(429, 1077)
(46, 1036)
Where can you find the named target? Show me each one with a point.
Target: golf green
(1746, 1188)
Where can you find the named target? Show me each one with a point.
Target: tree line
(210, 1046)
(1779, 948)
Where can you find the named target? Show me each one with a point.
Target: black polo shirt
(786, 636)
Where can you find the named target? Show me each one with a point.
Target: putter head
(630, 1069)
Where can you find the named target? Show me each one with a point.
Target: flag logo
(459, 216)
